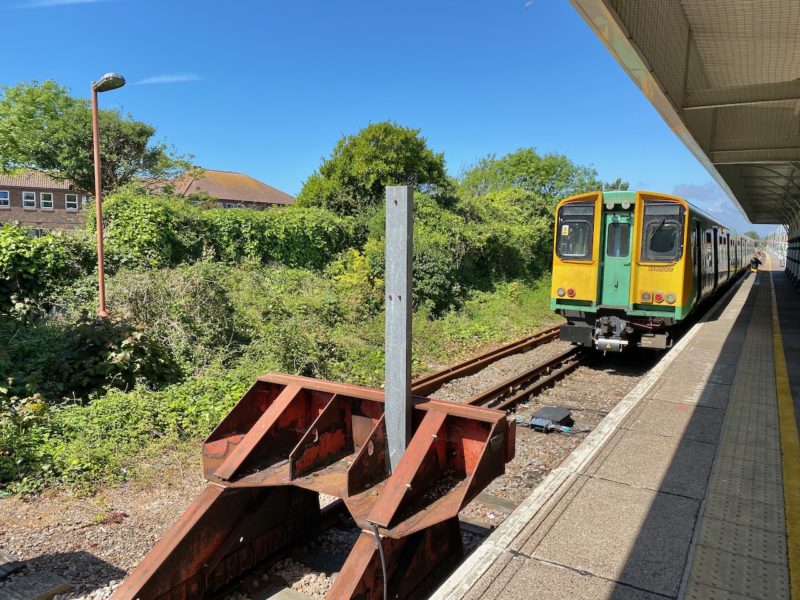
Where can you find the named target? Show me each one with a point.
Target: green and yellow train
(629, 266)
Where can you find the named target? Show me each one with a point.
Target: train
(630, 266)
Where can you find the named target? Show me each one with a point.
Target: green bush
(53, 359)
(99, 442)
(510, 233)
(158, 231)
(299, 325)
(150, 231)
(31, 267)
(188, 309)
(360, 167)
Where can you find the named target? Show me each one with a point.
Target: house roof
(227, 185)
(33, 179)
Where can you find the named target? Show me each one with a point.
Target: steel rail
(523, 385)
(429, 383)
(562, 371)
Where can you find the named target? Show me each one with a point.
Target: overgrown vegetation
(203, 300)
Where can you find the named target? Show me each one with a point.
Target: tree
(362, 165)
(551, 176)
(44, 129)
(617, 184)
(753, 235)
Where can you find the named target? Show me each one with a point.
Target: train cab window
(575, 228)
(618, 240)
(662, 239)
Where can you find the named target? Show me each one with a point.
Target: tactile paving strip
(741, 542)
(744, 575)
(752, 542)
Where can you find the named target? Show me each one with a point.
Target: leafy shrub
(187, 309)
(54, 359)
(296, 237)
(150, 231)
(510, 233)
(158, 231)
(31, 267)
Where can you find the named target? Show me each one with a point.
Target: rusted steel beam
(199, 554)
(257, 432)
(415, 564)
(291, 437)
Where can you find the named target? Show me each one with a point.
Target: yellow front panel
(652, 277)
(580, 275)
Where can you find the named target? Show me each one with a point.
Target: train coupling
(609, 334)
(611, 344)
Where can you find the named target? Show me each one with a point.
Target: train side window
(575, 231)
(663, 232)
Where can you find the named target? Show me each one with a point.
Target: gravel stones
(93, 542)
(590, 392)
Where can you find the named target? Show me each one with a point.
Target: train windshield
(662, 239)
(575, 228)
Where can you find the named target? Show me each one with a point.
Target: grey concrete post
(399, 252)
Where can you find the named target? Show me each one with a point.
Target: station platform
(689, 488)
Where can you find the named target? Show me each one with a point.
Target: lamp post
(108, 82)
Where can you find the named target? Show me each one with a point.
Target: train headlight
(658, 297)
(671, 298)
(570, 292)
(647, 297)
(561, 292)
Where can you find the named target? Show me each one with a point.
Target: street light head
(108, 82)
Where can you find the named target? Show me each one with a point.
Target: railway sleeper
(291, 438)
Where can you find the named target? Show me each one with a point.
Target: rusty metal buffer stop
(402, 466)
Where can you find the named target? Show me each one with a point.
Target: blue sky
(268, 87)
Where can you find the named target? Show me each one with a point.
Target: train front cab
(627, 282)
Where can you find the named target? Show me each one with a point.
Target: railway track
(506, 394)
(503, 396)
(427, 384)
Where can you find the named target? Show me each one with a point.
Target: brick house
(41, 202)
(232, 190)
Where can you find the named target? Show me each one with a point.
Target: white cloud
(169, 78)
(50, 3)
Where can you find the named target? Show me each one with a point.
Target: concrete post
(399, 253)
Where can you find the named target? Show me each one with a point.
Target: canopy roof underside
(725, 75)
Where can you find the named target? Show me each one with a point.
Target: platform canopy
(725, 75)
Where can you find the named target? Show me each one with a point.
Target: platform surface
(679, 492)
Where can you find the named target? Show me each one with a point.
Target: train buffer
(290, 439)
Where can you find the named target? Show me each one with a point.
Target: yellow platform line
(790, 449)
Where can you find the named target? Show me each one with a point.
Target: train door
(731, 254)
(697, 258)
(716, 257)
(616, 275)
